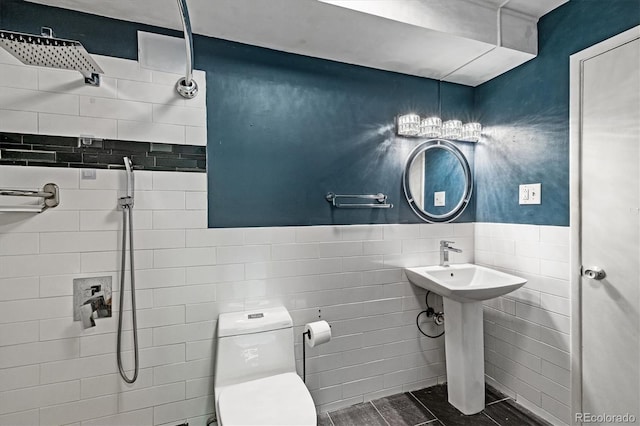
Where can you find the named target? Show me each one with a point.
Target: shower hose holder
(125, 202)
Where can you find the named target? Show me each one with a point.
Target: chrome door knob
(594, 273)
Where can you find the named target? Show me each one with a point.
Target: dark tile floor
(429, 406)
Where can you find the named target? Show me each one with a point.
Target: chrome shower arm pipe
(188, 38)
(187, 86)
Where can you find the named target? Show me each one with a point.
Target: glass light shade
(452, 129)
(471, 132)
(408, 125)
(431, 127)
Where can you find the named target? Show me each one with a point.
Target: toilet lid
(277, 400)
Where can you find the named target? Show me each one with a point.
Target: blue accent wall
(525, 113)
(283, 129)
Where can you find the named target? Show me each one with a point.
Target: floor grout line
(330, 419)
(427, 422)
(500, 400)
(379, 413)
(491, 418)
(426, 408)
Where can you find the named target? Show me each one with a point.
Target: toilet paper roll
(319, 333)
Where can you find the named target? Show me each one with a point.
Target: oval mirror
(437, 181)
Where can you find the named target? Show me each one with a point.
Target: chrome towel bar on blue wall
(380, 198)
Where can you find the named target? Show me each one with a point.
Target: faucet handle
(445, 243)
(95, 307)
(86, 315)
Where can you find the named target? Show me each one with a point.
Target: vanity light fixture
(408, 125)
(471, 132)
(452, 129)
(411, 125)
(431, 127)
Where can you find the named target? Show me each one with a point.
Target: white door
(610, 230)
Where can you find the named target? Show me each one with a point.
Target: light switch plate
(439, 198)
(530, 193)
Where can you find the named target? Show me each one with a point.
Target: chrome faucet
(445, 248)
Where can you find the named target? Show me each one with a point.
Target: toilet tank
(252, 345)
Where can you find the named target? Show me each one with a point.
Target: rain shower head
(48, 51)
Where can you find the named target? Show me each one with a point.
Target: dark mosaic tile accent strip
(430, 407)
(60, 151)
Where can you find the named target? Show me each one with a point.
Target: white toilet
(255, 375)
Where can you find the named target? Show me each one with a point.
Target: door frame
(575, 140)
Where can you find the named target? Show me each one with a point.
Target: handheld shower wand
(127, 200)
(126, 203)
(129, 167)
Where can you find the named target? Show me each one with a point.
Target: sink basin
(464, 282)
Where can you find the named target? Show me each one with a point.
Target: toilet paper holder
(307, 335)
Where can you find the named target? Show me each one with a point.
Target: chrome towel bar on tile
(380, 198)
(50, 194)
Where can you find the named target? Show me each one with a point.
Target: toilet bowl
(255, 375)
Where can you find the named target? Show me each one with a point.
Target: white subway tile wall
(132, 103)
(527, 352)
(54, 372)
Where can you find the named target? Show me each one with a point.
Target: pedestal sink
(463, 288)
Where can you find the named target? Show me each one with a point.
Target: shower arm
(187, 86)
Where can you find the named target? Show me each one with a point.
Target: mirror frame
(462, 204)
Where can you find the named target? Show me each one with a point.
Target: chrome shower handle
(97, 305)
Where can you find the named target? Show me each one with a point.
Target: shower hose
(127, 209)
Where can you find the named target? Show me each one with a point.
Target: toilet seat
(282, 399)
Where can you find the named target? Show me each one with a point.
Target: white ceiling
(461, 41)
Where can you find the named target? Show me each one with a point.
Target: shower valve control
(92, 299)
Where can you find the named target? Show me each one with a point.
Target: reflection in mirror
(437, 181)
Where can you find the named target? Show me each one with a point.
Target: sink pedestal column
(464, 350)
